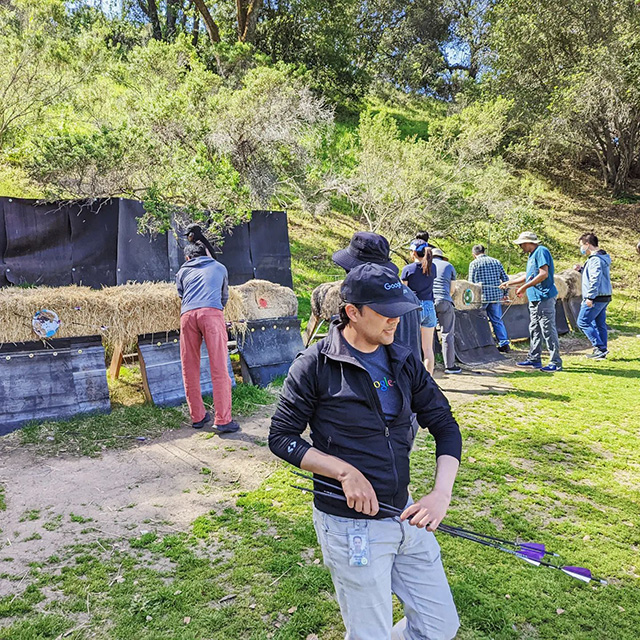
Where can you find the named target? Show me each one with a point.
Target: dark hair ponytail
(426, 258)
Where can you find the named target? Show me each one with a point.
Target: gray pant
(404, 560)
(446, 313)
(542, 324)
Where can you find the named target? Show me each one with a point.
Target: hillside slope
(581, 207)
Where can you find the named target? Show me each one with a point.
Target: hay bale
(136, 308)
(317, 298)
(262, 299)
(570, 281)
(466, 295)
(511, 292)
(325, 300)
(122, 313)
(562, 286)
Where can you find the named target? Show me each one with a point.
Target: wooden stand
(116, 363)
(312, 328)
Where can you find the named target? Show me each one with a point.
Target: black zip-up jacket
(331, 391)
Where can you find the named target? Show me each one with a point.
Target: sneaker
(201, 423)
(504, 348)
(551, 368)
(453, 370)
(534, 364)
(598, 354)
(230, 427)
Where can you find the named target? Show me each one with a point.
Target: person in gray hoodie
(204, 289)
(596, 295)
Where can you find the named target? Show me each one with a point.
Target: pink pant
(207, 323)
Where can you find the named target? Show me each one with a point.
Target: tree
(162, 128)
(454, 181)
(433, 46)
(571, 68)
(42, 62)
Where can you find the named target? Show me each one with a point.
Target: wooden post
(312, 325)
(145, 382)
(116, 363)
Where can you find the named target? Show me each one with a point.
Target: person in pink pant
(204, 289)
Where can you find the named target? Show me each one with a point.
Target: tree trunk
(183, 17)
(151, 10)
(195, 34)
(172, 15)
(209, 23)
(627, 152)
(248, 12)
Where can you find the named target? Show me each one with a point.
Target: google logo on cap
(393, 285)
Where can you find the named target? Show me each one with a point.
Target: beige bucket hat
(527, 236)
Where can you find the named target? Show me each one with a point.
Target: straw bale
(262, 299)
(562, 286)
(140, 308)
(511, 292)
(458, 288)
(122, 313)
(318, 296)
(325, 300)
(571, 281)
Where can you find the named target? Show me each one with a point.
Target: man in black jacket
(357, 390)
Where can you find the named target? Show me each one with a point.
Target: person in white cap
(444, 273)
(542, 293)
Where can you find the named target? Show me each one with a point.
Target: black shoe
(201, 423)
(504, 348)
(230, 427)
(453, 370)
(598, 354)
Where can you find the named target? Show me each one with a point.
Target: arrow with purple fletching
(531, 552)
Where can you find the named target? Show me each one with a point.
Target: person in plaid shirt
(490, 273)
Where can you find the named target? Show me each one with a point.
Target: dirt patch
(475, 381)
(158, 486)
(161, 486)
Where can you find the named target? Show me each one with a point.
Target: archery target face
(45, 323)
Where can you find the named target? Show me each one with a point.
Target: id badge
(358, 547)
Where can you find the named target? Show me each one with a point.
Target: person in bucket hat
(366, 246)
(541, 291)
(357, 389)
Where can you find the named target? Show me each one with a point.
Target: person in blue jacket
(596, 295)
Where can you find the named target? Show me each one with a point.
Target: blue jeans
(428, 319)
(494, 313)
(593, 322)
(404, 560)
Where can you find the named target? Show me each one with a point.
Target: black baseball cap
(364, 247)
(375, 286)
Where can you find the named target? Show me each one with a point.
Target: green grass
(89, 435)
(3, 502)
(555, 460)
(130, 421)
(247, 399)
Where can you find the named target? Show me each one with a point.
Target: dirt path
(163, 485)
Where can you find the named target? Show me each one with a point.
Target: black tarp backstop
(97, 244)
